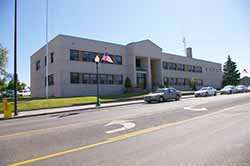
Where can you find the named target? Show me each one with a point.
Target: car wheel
(215, 94)
(161, 99)
(177, 97)
(206, 93)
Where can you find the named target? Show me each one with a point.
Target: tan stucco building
(72, 69)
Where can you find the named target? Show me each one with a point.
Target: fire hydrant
(6, 109)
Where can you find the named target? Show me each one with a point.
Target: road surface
(196, 132)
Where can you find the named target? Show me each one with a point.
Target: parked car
(9, 93)
(229, 89)
(248, 88)
(24, 92)
(205, 91)
(241, 89)
(163, 94)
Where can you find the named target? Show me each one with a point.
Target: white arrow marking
(195, 109)
(126, 125)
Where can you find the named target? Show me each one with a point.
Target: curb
(84, 109)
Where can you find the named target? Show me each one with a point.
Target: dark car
(163, 94)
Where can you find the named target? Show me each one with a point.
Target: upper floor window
(38, 65)
(74, 55)
(88, 56)
(52, 57)
(45, 60)
(117, 59)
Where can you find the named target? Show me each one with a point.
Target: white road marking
(195, 109)
(125, 123)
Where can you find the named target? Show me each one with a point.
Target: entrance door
(141, 80)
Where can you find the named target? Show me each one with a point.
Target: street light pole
(15, 60)
(97, 61)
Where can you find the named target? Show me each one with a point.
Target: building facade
(72, 70)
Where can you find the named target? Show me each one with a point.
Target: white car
(205, 91)
(229, 89)
(248, 88)
(25, 92)
(241, 88)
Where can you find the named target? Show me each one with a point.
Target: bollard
(6, 109)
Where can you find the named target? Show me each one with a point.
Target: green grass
(28, 103)
(32, 104)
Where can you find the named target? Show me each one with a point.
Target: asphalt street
(196, 131)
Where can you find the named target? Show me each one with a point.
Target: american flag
(106, 58)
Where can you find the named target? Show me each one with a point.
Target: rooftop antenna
(184, 45)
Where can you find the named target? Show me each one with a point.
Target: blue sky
(212, 28)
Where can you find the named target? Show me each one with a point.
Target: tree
(20, 85)
(231, 75)
(3, 84)
(3, 59)
(128, 83)
(193, 83)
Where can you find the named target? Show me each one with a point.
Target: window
(92, 79)
(85, 78)
(74, 55)
(51, 79)
(103, 79)
(110, 79)
(118, 79)
(117, 59)
(52, 57)
(181, 67)
(38, 66)
(164, 65)
(74, 78)
(45, 60)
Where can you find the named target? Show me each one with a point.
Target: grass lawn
(32, 104)
(29, 104)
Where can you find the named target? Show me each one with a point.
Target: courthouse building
(72, 70)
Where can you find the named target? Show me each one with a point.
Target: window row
(38, 63)
(90, 78)
(87, 56)
(50, 80)
(179, 81)
(181, 67)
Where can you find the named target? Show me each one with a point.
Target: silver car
(241, 89)
(229, 89)
(205, 91)
(163, 94)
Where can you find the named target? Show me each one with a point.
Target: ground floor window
(168, 81)
(50, 80)
(90, 78)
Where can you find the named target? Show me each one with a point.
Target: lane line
(122, 137)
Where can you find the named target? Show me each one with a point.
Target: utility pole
(15, 59)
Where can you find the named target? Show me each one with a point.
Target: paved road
(196, 131)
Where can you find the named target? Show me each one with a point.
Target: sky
(212, 28)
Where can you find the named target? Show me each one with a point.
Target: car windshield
(228, 87)
(204, 88)
(159, 91)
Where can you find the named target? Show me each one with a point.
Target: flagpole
(47, 52)
(15, 59)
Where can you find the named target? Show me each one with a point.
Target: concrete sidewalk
(31, 113)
